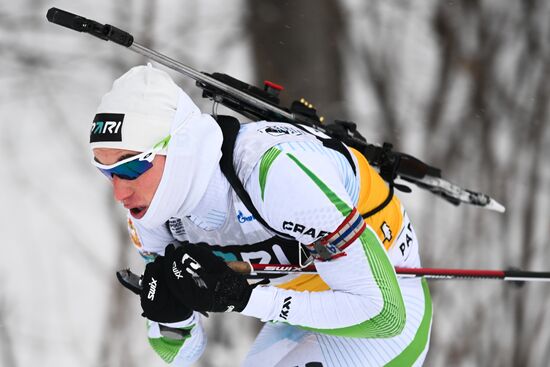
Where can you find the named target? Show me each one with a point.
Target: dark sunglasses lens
(129, 170)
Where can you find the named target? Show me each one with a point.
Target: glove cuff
(191, 320)
(261, 303)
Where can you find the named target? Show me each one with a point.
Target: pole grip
(77, 23)
(130, 280)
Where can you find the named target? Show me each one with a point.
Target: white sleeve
(301, 194)
(178, 349)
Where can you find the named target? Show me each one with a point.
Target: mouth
(138, 212)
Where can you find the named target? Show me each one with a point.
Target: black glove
(157, 302)
(203, 281)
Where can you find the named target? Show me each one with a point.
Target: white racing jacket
(310, 193)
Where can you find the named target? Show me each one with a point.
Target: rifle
(263, 104)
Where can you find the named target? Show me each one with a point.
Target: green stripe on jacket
(391, 319)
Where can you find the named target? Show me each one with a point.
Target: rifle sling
(230, 128)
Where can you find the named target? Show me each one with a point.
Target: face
(136, 195)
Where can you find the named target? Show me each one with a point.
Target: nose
(122, 189)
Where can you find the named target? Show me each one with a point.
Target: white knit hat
(138, 111)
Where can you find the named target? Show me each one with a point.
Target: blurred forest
(462, 84)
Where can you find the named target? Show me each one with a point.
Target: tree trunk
(297, 44)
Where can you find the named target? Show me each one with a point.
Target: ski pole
(132, 281)
(429, 273)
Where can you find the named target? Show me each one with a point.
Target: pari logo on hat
(107, 127)
(137, 112)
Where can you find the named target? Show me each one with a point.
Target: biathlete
(201, 192)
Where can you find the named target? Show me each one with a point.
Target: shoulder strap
(230, 128)
(337, 145)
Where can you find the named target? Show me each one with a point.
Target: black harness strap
(338, 146)
(230, 128)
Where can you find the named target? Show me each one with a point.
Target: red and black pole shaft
(133, 281)
(430, 273)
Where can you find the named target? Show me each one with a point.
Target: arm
(178, 343)
(302, 194)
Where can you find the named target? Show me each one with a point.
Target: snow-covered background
(464, 85)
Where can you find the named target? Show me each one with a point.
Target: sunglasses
(132, 167)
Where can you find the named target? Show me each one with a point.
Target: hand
(157, 302)
(203, 281)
